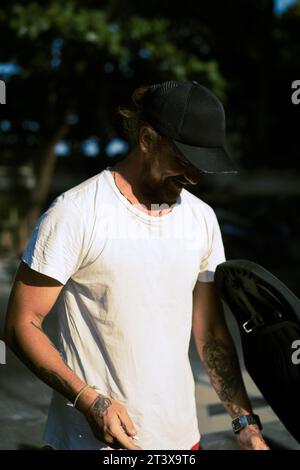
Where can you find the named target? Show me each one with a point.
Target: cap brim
(207, 159)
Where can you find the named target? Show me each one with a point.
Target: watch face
(239, 423)
(244, 420)
(236, 425)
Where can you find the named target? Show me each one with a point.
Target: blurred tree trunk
(45, 170)
(39, 194)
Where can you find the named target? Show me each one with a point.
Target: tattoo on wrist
(100, 405)
(234, 409)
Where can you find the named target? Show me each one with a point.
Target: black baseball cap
(194, 118)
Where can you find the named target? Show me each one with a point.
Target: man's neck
(130, 170)
(128, 177)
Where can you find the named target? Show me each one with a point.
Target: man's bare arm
(217, 351)
(32, 297)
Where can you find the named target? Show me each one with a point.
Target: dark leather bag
(268, 317)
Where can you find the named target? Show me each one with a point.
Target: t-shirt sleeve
(56, 245)
(215, 253)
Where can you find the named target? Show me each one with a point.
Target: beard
(157, 189)
(161, 191)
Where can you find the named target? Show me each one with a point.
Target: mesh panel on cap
(160, 97)
(165, 86)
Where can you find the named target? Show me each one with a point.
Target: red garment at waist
(197, 446)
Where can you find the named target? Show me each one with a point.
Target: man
(129, 255)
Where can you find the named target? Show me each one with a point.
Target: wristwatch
(244, 420)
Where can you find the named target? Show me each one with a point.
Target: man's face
(166, 171)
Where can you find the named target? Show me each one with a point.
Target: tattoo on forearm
(223, 369)
(55, 381)
(100, 405)
(50, 377)
(234, 408)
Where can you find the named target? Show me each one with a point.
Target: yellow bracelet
(81, 391)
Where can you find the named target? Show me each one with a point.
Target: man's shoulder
(77, 203)
(197, 204)
(83, 190)
(85, 196)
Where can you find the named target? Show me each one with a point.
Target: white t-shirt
(125, 310)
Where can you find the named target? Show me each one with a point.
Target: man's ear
(148, 139)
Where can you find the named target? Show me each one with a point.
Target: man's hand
(111, 424)
(250, 438)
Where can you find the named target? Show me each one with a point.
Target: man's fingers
(259, 444)
(120, 435)
(254, 443)
(262, 446)
(126, 423)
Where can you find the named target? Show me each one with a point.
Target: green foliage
(120, 40)
(244, 53)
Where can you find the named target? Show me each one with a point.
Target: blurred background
(67, 66)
